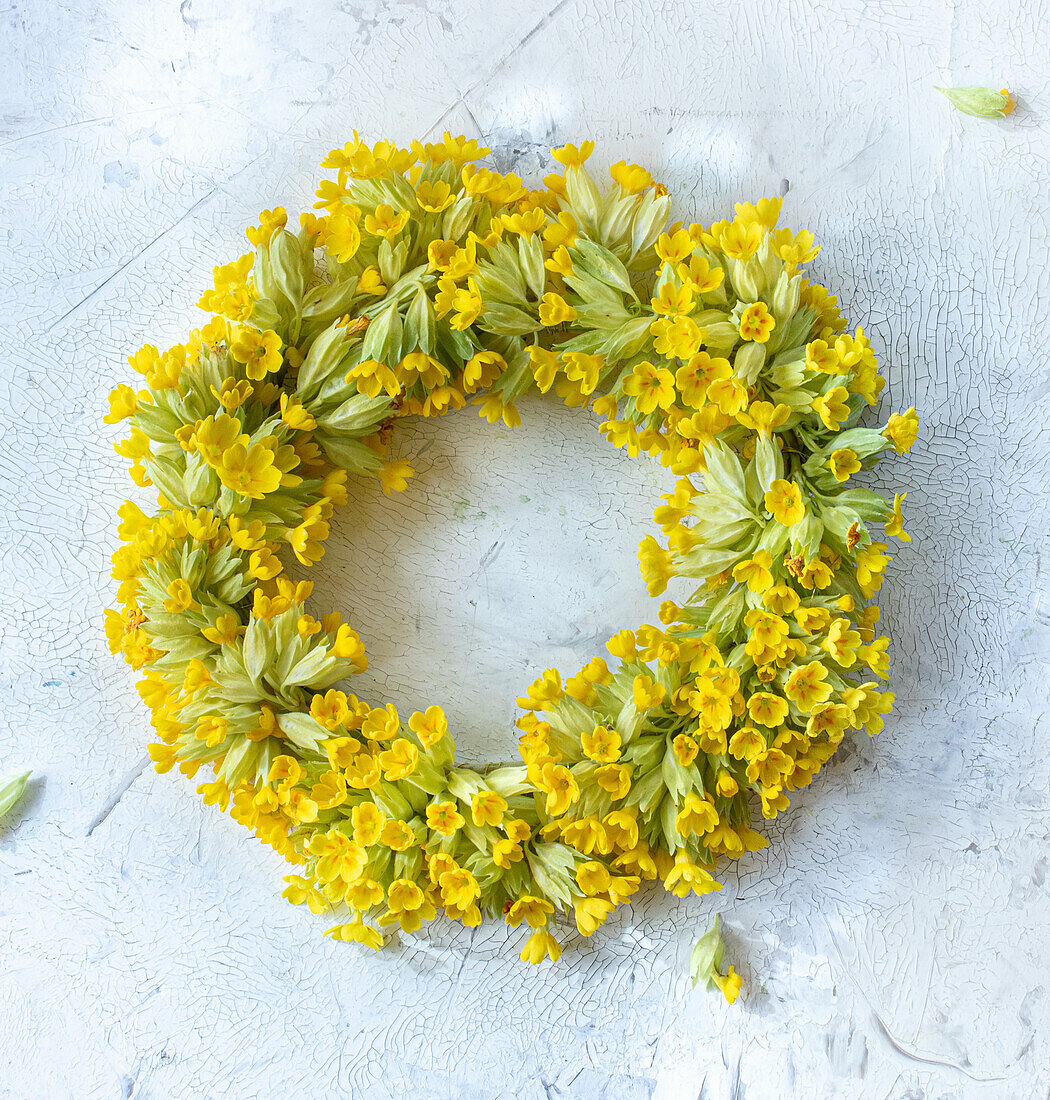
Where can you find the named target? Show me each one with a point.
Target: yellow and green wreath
(429, 282)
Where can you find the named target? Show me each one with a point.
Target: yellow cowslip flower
(481, 370)
(757, 323)
(546, 689)
(591, 914)
(440, 253)
(525, 223)
(676, 337)
(362, 773)
(458, 888)
(339, 857)
(398, 836)
(832, 407)
(213, 436)
(572, 156)
(815, 574)
(269, 222)
(123, 401)
(373, 378)
(767, 709)
(729, 983)
(767, 628)
(349, 646)
(560, 232)
(697, 817)
(684, 876)
(368, 821)
(673, 300)
(700, 272)
(487, 808)
(755, 571)
(330, 710)
(381, 723)
(534, 911)
(685, 749)
(794, 248)
(180, 597)
(434, 196)
(647, 692)
(429, 726)
(769, 768)
(807, 686)
(249, 472)
(783, 501)
(601, 744)
(842, 463)
(407, 905)
(342, 234)
(895, 520)
(300, 890)
(593, 878)
(871, 562)
(386, 222)
(632, 178)
(763, 213)
(675, 247)
(622, 645)
(371, 282)
(506, 852)
(842, 642)
(651, 387)
(560, 786)
(357, 932)
(554, 310)
(264, 564)
(248, 536)
(443, 818)
(711, 704)
(584, 369)
(294, 415)
(763, 416)
(694, 378)
(822, 357)
(211, 729)
(813, 620)
(738, 239)
(399, 761)
(781, 599)
(902, 429)
(363, 894)
(329, 791)
(260, 352)
(730, 395)
(725, 784)
(614, 779)
(539, 946)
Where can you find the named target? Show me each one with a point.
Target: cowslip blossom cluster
(427, 282)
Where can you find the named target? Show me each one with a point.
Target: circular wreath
(428, 282)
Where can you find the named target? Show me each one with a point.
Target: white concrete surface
(894, 938)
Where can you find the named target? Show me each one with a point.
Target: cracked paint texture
(894, 937)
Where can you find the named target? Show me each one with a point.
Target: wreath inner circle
(429, 282)
(505, 554)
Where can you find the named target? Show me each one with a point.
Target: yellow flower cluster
(428, 281)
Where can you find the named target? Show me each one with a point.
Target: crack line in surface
(127, 263)
(118, 794)
(555, 11)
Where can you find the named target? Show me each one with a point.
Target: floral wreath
(430, 281)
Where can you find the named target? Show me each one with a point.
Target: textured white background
(894, 939)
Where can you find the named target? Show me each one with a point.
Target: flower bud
(979, 102)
